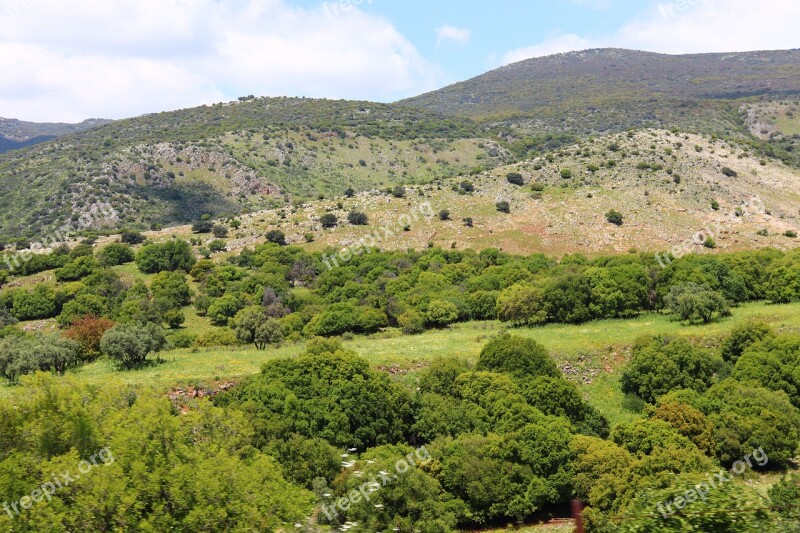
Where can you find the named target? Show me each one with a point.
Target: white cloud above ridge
(75, 60)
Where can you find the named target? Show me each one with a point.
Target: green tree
(441, 313)
(115, 254)
(696, 304)
(522, 305)
(130, 344)
(169, 256)
(517, 356)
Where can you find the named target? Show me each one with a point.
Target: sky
(69, 60)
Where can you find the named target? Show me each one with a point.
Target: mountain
(612, 89)
(226, 159)
(15, 134)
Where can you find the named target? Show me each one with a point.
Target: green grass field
(596, 351)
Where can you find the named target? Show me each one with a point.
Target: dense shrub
(517, 356)
(130, 344)
(169, 256)
(115, 254)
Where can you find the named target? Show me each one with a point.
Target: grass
(595, 351)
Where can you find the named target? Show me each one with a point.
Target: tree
(503, 206)
(444, 214)
(515, 178)
(82, 306)
(441, 313)
(131, 237)
(171, 286)
(87, 332)
(349, 192)
(252, 326)
(76, 269)
(202, 226)
(276, 236)
(219, 231)
(130, 344)
(115, 254)
(742, 337)
(171, 255)
(35, 305)
(523, 358)
(695, 303)
(614, 217)
(174, 318)
(357, 218)
(663, 364)
(522, 305)
(328, 220)
(399, 191)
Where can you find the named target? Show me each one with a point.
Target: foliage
(115, 254)
(661, 364)
(169, 256)
(130, 344)
(696, 304)
(517, 356)
(87, 332)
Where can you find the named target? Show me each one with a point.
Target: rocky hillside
(227, 159)
(673, 190)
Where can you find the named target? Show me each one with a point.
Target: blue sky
(67, 61)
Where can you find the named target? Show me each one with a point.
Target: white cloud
(690, 26)
(451, 33)
(556, 45)
(94, 58)
(592, 4)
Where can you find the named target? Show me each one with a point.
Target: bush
(252, 326)
(399, 191)
(115, 254)
(169, 256)
(216, 338)
(467, 186)
(87, 332)
(503, 206)
(614, 217)
(695, 303)
(522, 305)
(276, 236)
(329, 220)
(174, 318)
(515, 178)
(441, 313)
(220, 232)
(76, 269)
(566, 173)
(715, 205)
(662, 364)
(729, 172)
(202, 226)
(23, 354)
(182, 339)
(791, 234)
(131, 237)
(444, 214)
(523, 358)
(411, 322)
(130, 344)
(742, 337)
(357, 218)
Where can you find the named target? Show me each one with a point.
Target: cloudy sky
(67, 60)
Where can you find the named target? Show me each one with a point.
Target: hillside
(613, 89)
(15, 134)
(226, 159)
(664, 185)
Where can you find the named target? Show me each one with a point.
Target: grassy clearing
(596, 351)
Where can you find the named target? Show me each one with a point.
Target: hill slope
(15, 134)
(613, 89)
(172, 167)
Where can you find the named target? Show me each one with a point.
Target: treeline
(274, 293)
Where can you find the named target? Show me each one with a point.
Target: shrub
(729, 172)
(468, 222)
(202, 226)
(182, 339)
(742, 337)
(115, 254)
(87, 332)
(662, 364)
(329, 220)
(399, 191)
(614, 217)
(411, 322)
(174, 318)
(695, 303)
(515, 178)
(566, 173)
(76, 269)
(503, 206)
(169, 256)
(130, 344)
(524, 358)
(357, 218)
(441, 313)
(791, 234)
(276, 236)
(444, 214)
(467, 186)
(131, 237)
(217, 337)
(217, 245)
(220, 232)
(252, 326)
